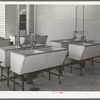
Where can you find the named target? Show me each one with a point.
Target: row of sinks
(4, 42)
(20, 58)
(79, 50)
(86, 50)
(88, 43)
(64, 42)
(35, 60)
(39, 39)
(28, 60)
(38, 51)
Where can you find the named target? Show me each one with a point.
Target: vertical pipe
(76, 18)
(75, 29)
(17, 37)
(35, 19)
(83, 22)
(28, 19)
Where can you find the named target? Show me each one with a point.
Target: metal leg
(71, 68)
(2, 72)
(8, 77)
(80, 69)
(22, 82)
(14, 83)
(49, 75)
(60, 71)
(63, 68)
(71, 65)
(42, 74)
(59, 79)
(64, 61)
(92, 61)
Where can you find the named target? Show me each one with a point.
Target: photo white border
(50, 94)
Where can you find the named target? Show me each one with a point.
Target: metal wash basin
(85, 44)
(29, 52)
(5, 54)
(96, 41)
(33, 60)
(92, 42)
(86, 50)
(50, 49)
(64, 43)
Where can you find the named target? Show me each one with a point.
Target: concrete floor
(90, 81)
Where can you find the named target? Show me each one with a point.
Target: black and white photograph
(50, 47)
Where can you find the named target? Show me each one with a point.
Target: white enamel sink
(85, 44)
(5, 54)
(39, 50)
(96, 41)
(65, 41)
(91, 42)
(33, 60)
(30, 52)
(50, 49)
(83, 51)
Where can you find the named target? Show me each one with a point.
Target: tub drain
(35, 89)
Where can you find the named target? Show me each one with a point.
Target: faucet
(33, 41)
(74, 35)
(18, 45)
(83, 38)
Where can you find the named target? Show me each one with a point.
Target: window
(23, 22)
(2, 20)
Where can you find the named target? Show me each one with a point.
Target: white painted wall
(32, 19)
(10, 20)
(92, 22)
(57, 21)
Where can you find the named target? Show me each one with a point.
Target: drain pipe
(17, 37)
(82, 36)
(75, 31)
